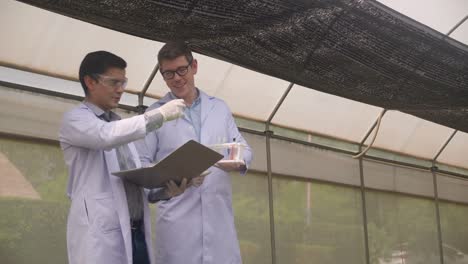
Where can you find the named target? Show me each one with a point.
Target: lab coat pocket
(79, 212)
(107, 219)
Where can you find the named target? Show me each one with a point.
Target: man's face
(181, 86)
(107, 89)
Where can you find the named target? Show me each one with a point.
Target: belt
(136, 224)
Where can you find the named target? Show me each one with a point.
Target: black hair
(98, 62)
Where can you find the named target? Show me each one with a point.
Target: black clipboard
(188, 161)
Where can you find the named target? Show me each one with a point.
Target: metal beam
(437, 209)
(260, 133)
(434, 170)
(268, 134)
(366, 136)
(278, 105)
(364, 208)
(270, 198)
(56, 94)
(456, 26)
(347, 152)
(443, 147)
(141, 95)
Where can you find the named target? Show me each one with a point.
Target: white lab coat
(198, 225)
(98, 229)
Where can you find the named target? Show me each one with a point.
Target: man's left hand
(229, 166)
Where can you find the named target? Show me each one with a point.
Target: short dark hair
(99, 62)
(174, 49)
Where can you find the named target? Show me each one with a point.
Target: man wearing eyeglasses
(108, 221)
(198, 225)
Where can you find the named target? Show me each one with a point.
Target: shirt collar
(109, 115)
(197, 100)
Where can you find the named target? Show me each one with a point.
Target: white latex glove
(172, 109)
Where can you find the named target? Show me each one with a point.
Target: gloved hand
(172, 109)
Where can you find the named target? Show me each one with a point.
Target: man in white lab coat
(197, 226)
(109, 219)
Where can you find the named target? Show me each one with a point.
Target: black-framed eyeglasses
(181, 71)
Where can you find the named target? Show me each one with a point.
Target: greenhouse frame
(355, 111)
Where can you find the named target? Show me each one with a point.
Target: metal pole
(308, 194)
(363, 188)
(347, 152)
(370, 130)
(364, 208)
(308, 215)
(270, 198)
(436, 200)
(434, 170)
(278, 105)
(141, 94)
(268, 134)
(443, 147)
(457, 25)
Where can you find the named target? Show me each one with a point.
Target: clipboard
(188, 161)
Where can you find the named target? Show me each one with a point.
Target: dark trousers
(140, 251)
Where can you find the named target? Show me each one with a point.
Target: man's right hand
(197, 181)
(173, 190)
(172, 109)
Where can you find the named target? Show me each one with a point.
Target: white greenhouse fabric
(441, 15)
(326, 114)
(456, 152)
(405, 133)
(40, 41)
